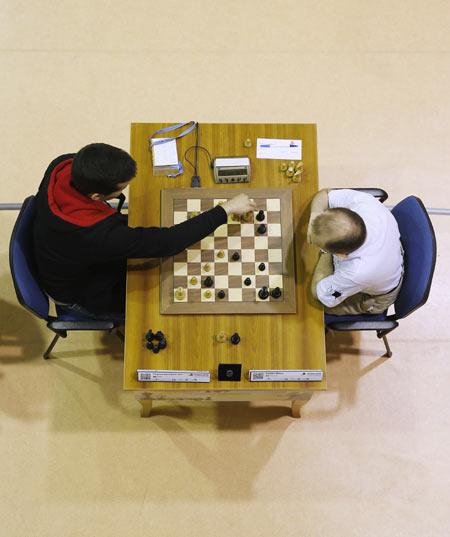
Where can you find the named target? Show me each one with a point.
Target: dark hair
(345, 228)
(99, 168)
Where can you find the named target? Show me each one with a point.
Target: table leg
(297, 404)
(146, 409)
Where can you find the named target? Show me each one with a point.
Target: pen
(269, 145)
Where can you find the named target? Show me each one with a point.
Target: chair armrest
(362, 325)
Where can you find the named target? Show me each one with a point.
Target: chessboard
(246, 266)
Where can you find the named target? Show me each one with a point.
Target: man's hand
(240, 204)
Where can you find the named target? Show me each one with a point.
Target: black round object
(208, 281)
(263, 293)
(162, 344)
(276, 293)
(159, 335)
(149, 335)
(261, 229)
(155, 349)
(247, 281)
(260, 216)
(221, 294)
(235, 338)
(229, 373)
(149, 345)
(235, 256)
(262, 267)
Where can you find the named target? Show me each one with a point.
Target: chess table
(243, 279)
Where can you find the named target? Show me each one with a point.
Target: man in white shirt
(361, 262)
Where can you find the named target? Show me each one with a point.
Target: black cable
(198, 147)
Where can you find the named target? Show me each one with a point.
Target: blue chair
(30, 294)
(419, 244)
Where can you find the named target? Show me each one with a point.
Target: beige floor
(371, 455)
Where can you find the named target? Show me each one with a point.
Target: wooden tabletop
(272, 341)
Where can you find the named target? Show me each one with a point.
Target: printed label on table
(285, 375)
(167, 375)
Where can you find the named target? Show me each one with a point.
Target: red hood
(67, 203)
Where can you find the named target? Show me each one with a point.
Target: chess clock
(231, 170)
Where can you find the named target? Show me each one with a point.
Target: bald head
(338, 231)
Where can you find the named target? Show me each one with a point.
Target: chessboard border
(288, 303)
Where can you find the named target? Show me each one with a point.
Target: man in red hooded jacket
(82, 244)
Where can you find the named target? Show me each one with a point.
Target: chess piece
(155, 349)
(159, 336)
(220, 254)
(247, 217)
(180, 293)
(260, 216)
(261, 229)
(247, 281)
(192, 214)
(235, 256)
(275, 293)
(235, 338)
(149, 335)
(207, 294)
(262, 267)
(162, 344)
(149, 345)
(263, 293)
(208, 281)
(193, 280)
(247, 142)
(283, 167)
(221, 337)
(206, 267)
(221, 294)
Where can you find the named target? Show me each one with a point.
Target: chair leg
(388, 349)
(46, 354)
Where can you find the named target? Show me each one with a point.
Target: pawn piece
(149, 335)
(283, 167)
(180, 293)
(159, 335)
(263, 293)
(235, 338)
(221, 337)
(193, 280)
(162, 344)
(275, 293)
(208, 281)
(247, 281)
(221, 294)
(235, 256)
(248, 142)
(261, 229)
(220, 254)
(149, 345)
(262, 267)
(207, 294)
(155, 349)
(260, 216)
(206, 267)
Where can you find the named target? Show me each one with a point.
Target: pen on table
(270, 145)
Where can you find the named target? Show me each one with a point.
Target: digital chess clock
(231, 170)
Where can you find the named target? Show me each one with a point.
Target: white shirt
(376, 267)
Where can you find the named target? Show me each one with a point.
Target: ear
(96, 196)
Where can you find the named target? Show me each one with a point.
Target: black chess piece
(261, 229)
(276, 293)
(155, 349)
(149, 335)
(208, 281)
(235, 256)
(221, 294)
(262, 267)
(260, 216)
(149, 345)
(263, 293)
(159, 335)
(162, 344)
(247, 281)
(235, 338)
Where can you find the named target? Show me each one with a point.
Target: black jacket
(87, 264)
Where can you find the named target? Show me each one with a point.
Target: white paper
(279, 149)
(165, 154)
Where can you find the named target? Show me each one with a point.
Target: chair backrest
(419, 243)
(22, 262)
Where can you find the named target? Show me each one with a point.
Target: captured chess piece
(208, 281)
(155, 342)
(275, 293)
(221, 337)
(261, 229)
(260, 216)
(235, 338)
(263, 293)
